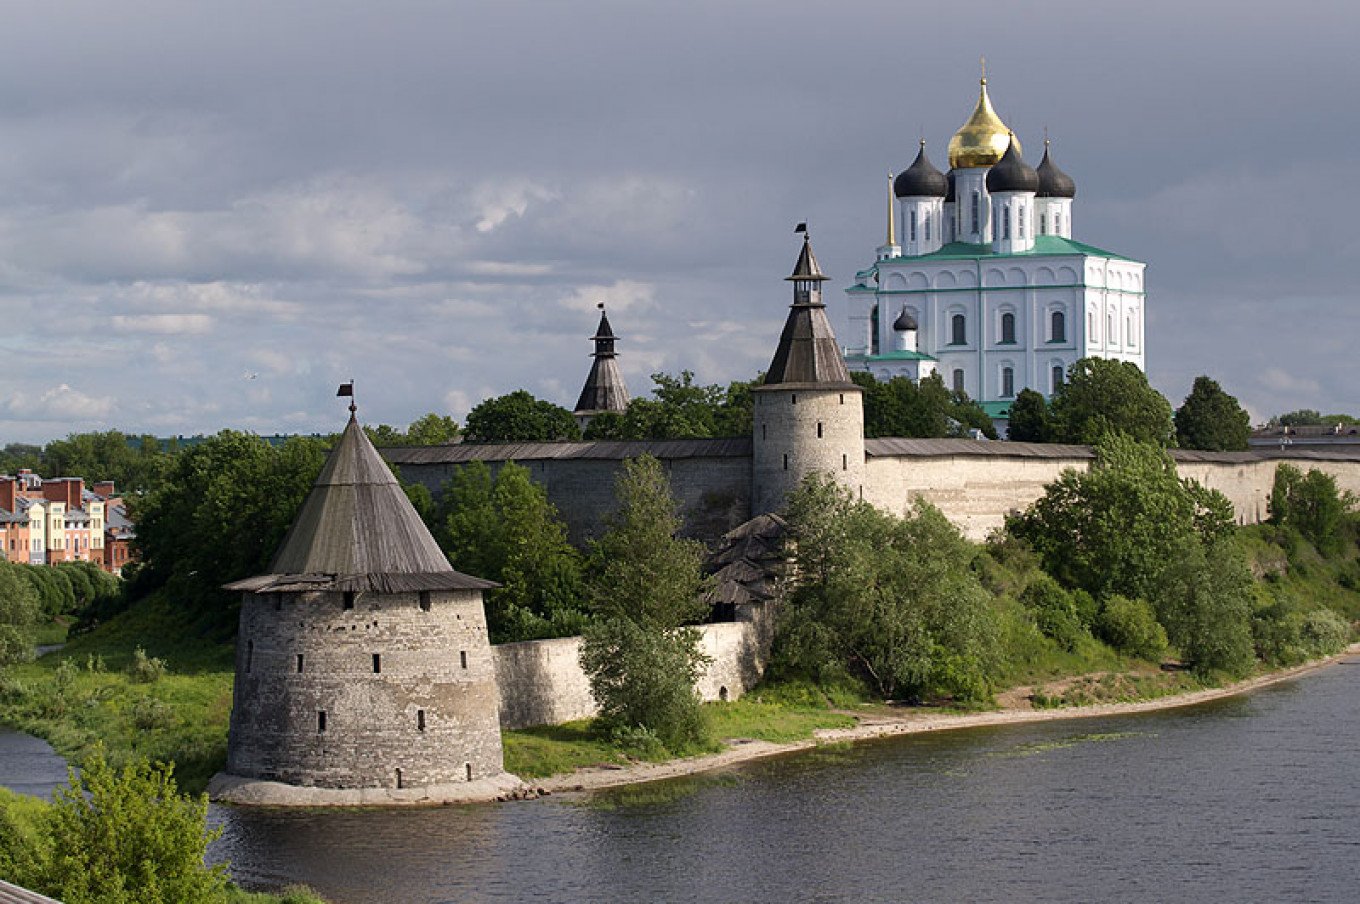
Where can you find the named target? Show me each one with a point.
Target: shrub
(1054, 612)
(145, 669)
(1131, 627)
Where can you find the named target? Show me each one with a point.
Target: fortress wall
(714, 492)
(1248, 484)
(541, 681)
(974, 492)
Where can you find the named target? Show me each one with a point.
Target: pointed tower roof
(808, 353)
(604, 389)
(358, 531)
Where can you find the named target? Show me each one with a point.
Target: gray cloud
(429, 198)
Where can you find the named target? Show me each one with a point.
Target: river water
(1255, 798)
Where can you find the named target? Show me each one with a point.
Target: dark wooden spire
(808, 352)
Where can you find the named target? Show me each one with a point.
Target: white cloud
(620, 295)
(496, 202)
(57, 403)
(162, 323)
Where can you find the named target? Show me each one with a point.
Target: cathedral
(980, 279)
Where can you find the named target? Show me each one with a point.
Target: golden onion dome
(983, 139)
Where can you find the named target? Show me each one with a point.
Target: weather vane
(347, 389)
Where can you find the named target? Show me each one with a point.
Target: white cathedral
(985, 285)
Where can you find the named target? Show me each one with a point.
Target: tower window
(927, 227)
(845, 462)
(424, 601)
(377, 663)
(958, 379)
(1005, 213)
(320, 721)
(786, 461)
(1020, 223)
(1008, 328)
(977, 213)
(912, 225)
(1043, 224)
(1057, 327)
(1007, 381)
(467, 769)
(842, 399)
(794, 397)
(819, 429)
(349, 599)
(420, 720)
(462, 658)
(762, 431)
(958, 328)
(299, 663)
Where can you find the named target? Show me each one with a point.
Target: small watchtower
(604, 389)
(809, 416)
(363, 660)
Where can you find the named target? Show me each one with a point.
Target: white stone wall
(802, 430)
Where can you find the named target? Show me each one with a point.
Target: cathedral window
(912, 226)
(1008, 328)
(1057, 327)
(977, 213)
(958, 326)
(1043, 224)
(958, 379)
(1057, 377)
(1128, 331)
(1111, 336)
(1007, 381)
(927, 227)
(1020, 223)
(1004, 214)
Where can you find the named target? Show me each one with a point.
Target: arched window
(958, 379)
(1008, 381)
(1111, 336)
(977, 213)
(1128, 331)
(1020, 224)
(912, 222)
(1008, 328)
(1057, 377)
(1005, 221)
(1057, 327)
(958, 330)
(927, 225)
(1043, 224)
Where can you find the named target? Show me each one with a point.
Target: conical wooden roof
(358, 531)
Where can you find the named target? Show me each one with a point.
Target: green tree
(1212, 420)
(505, 530)
(127, 836)
(220, 515)
(1310, 503)
(1102, 395)
(1304, 417)
(104, 456)
(1030, 420)
(19, 609)
(1130, 526)
(903, 407)
(641, 652)
(681, 409)
(888, 601)
(519, 417)
(427, 430)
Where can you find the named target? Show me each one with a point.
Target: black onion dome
(949, 191)
(904, 322)
(1053, 182)
(1012, 173)
(921, 179)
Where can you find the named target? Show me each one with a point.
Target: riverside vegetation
(1121, 583)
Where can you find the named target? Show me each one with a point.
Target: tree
(681, 409)
(641, 652)
(1304, 417)
(888, 601)
(18, 614)
(519, 417)
(1130, 526)
(428, 430)
(1030, 421)
(902, 407)
(1310, 503)
(1102, 395)
(220, 514)
(127, 836)
(505, 530)
(1212, 420)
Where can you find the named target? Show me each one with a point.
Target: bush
(1054, 612)
(1131, 627)
(145, 669)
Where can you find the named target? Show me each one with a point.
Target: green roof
(996, 409)
(893, 356)
(1044, 246)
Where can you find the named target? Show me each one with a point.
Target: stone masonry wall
(313, 707)
(541, 681)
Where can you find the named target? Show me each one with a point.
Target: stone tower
(604, 389)
(363, 660)
(809, 416)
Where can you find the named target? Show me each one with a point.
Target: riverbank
(1015, 710)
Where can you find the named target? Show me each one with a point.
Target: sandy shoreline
(880, 726)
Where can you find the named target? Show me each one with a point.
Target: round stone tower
(362, 660)
(809, 416)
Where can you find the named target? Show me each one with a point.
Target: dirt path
(1015, 709)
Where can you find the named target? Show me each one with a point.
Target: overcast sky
(212, 214)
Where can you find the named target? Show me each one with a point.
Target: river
(1254, 798)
